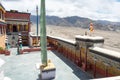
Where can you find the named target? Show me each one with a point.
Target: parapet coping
(64, 40)
(32, 34)
(58, 38)
(107, 53)
(90, 38)
(108, 78)
(20, 20)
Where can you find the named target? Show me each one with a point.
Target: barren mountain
(80, 22)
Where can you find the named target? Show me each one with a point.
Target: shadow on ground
(76, 70)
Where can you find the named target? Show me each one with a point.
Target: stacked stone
(20, 40)
(6, 43)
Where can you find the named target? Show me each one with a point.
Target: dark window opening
(15, 28)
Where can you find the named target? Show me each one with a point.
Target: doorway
(15, 28)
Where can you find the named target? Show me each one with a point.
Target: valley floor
(112, 39)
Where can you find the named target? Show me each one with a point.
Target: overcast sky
(94, 9)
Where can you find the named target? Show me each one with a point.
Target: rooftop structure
(17, 22)
(2, 27)
(14, 15)
(22, 67)
(72, 59)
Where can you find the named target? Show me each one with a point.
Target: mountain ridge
(79, 22)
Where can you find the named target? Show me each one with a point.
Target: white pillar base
(47, 72)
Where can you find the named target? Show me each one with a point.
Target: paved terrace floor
(22, 67)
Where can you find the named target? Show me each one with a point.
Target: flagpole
(43, 41)
(47, 68)
(37, 23)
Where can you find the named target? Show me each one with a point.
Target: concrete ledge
(108, 78)
(95, 39)
(5, 52)
(34, 49)
(64, 40)
(106, 53)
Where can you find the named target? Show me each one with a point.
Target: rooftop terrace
(22, 67)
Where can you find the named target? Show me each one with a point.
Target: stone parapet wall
(79, 52)
(111, 62)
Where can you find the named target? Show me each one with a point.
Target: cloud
(21, 5)
(12, 0)
(94, 9)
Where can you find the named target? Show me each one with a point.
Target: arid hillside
(112, 39)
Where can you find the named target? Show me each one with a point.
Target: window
(0, 31)
(0, 14)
